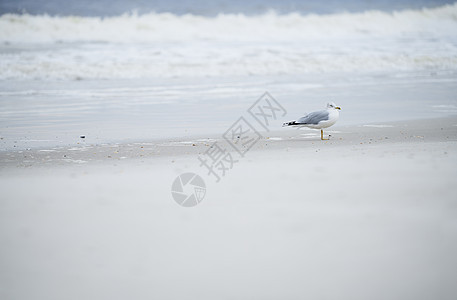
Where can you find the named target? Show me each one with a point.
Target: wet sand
(359, 137)
(369, 214)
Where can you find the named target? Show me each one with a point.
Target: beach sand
(369, 214)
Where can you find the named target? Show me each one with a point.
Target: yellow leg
(322, 135)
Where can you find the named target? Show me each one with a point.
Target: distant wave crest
(158, 27)
(167, 45)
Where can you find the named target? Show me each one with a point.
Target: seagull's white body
(318, 119)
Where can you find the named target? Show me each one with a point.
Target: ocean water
(103, 8)
(117, 71)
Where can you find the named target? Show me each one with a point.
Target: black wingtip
(289, 124)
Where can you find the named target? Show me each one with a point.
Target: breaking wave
(160, 27)
(168, 45)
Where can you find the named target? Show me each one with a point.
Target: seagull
(318, 119)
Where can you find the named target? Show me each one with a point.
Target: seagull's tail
(291, 123)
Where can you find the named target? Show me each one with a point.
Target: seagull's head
(332, 105)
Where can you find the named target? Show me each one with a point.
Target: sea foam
(167, 45)
(162, 27)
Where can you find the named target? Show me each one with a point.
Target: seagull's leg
(322, 135)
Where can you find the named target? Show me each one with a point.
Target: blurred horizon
(103, 8)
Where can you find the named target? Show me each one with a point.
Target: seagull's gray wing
(314, 117)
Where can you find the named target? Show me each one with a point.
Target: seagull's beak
(337, 107)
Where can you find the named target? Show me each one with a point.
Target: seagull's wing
(314, 117)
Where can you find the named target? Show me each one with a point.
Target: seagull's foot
(322, 136)
(326, 139)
